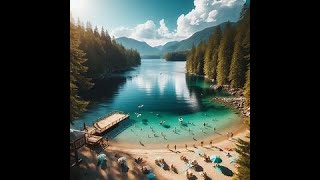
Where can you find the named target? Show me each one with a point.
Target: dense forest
(225, 58)
(93, 55)
(176, 56)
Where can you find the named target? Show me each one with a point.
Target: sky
(155, 22)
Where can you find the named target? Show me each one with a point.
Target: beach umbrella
(101, 157)
(151, 176)
(189, 165)
(122, 159)
(147, 168)
(215, 159)
(200, 152)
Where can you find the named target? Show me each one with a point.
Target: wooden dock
(108, 121)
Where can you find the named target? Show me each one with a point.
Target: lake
(167, 94)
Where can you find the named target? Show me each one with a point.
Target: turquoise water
(166, 93)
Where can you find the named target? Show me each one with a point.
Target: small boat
(140, 106)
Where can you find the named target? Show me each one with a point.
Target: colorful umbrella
(215, 159)
(147, 168)
(102, 157)
(122, 159)
(151, 176)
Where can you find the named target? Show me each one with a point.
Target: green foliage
(77, 78)
(105, 55)
(93, 55)
(211, 54)
(243, 148)
(246, 91)
(225, 55)
(176, 56)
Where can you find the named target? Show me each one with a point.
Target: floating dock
(107, 122)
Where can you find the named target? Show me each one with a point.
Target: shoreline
(216, 137)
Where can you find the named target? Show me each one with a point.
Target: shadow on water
(104, 89)
(166, 126)
(123, 125)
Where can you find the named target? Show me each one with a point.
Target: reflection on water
(166, 93)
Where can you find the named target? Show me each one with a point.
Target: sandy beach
(88, 169)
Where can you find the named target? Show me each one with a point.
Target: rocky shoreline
(237, 101)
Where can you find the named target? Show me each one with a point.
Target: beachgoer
(214, 128)
(201, 143)
(211, 142)
(189, 129)
(186, 146)
(194, 145)
(168, 146)
(204, 124)
(154, 134)
(175, 147)
(231, 134)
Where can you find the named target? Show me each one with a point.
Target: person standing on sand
(186, 146)
(214, 129)
(175, 147)
(168, 146)
(210, 142)
(231, 134)
(201, 143)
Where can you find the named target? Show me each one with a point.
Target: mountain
(142, 47)
(195, 39)
(146, 51)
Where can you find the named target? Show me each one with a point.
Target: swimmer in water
(154, 134)
(189, 129)
(204, 124)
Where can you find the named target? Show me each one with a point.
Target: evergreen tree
(246, 91)
(238, 66)
(207, 69)
(77, 69)
(243, 148)
(225, 55)
(211, 54)
(96, 32)
(190, 59)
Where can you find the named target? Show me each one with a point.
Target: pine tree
(77, 105)
(190, 59)
(207, 69)
(96, 32)
(225, 55)
(246, 91)
(213, 65)
(243, 148)
(238, 66)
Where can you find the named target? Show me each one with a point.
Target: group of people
(230, 134)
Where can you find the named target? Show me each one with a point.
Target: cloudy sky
(155, 21)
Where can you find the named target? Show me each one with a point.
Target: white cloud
(206, 13)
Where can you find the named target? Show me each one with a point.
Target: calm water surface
(166, 93)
